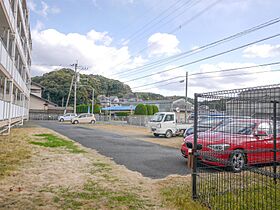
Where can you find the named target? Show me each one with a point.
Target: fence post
(274, 139)
(194, 181)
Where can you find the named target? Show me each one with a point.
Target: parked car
(66, 117)
(236, 144)
(211, 122)
(84, 118)
(165, 123)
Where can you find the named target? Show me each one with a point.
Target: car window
(265, 126)
(66, 115)
(157, 118)
(82, 116)
(169, 117)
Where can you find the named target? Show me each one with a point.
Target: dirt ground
(140, 133)
(54, 178)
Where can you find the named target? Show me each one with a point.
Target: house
(15, 62)
(36, 100)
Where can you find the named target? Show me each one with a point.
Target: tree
(155, 109)
(96, 109)
(140, 109)
(149, 109)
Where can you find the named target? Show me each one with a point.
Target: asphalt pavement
(151, 160)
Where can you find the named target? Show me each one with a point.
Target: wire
(230, 75)
(177, 28)
(210, 72)
(200, 49)
(206, 58)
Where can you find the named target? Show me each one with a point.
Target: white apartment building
(15, 62)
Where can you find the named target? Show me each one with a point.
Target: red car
(236, 144)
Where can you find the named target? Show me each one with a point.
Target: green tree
(149, 109)
(155, 109)
(140, 109)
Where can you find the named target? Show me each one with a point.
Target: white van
(164, 123)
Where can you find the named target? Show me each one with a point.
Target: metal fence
(235, 157)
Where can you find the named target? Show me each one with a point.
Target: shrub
(149, 109)
(83, 108)
(155, 109)
(140, 109)
(122, 114)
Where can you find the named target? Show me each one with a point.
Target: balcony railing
(8, 64)
(10, 13)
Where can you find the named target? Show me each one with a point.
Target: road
(151, 160)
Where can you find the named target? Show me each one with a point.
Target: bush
(83, 108)
(140, 109)
(155, 109)
(122, 114)
(149, 109)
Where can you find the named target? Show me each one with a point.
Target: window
(169, 117)
(265, 126)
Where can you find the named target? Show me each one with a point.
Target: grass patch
(246, 190)
(93, 196)
(178, 194)
(13, 150)
(50, 140)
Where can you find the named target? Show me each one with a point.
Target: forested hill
(57, 83)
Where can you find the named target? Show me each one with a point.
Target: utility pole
(92, 105)
(75, 87)
(65, 110)
(186, 105)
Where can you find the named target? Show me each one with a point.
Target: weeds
(50, 140)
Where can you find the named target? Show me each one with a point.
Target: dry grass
(14, 150)
(41, 176)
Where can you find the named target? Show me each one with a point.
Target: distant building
(257, 103)
(108, 101)
(15, 62)
(36, 100)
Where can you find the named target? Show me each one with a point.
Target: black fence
(236, 149)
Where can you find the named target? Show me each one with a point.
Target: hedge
(140, 109)
(83, 108)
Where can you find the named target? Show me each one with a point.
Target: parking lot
(133, 147)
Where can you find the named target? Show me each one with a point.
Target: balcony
(6, 61)
(9, 13)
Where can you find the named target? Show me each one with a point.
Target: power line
(211, 72)
(149, 26)
(206, 58)
(177, 28)
(180, 56)
(221, 76)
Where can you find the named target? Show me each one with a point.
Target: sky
(129, 39)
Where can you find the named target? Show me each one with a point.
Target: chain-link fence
(235, 156)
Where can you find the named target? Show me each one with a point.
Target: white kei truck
(165, 123)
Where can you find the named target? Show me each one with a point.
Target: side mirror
(260, 133)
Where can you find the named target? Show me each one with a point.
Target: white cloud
(262, 51)
(93, 49)
(44, 9)
(163, 44)
(210, 82)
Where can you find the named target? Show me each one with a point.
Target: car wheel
(168, 134)
(156, 135)
(237, 161)
(61, 120)
(76, 122)
(92, 122)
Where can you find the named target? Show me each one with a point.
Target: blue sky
(111, 36)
